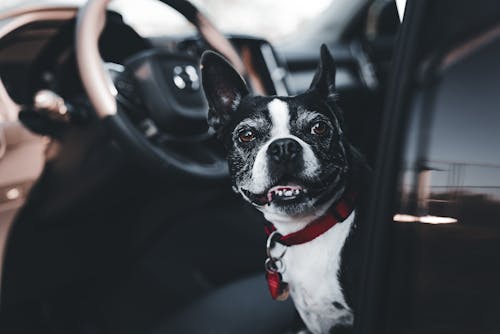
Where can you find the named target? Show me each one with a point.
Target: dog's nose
(283, 150)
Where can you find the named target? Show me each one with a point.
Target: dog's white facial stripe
(280, 119)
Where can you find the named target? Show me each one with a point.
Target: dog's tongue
(288, 191)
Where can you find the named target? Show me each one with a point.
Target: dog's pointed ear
(224, 88)
(323, 82)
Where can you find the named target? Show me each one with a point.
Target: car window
(445, 253)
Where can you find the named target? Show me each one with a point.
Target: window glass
(445, 264)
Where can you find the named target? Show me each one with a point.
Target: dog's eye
(246, 136)
(319, 128)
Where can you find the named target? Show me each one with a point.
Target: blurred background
(279, 21)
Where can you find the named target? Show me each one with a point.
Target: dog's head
(286, 155)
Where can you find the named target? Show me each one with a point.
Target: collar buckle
(274, 264)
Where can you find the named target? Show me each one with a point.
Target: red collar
(337, 213)
(274, 266)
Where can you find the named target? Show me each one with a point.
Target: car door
(433, 259)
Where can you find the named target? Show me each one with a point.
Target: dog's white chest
(312, 274)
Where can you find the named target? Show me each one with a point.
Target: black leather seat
(242, 307)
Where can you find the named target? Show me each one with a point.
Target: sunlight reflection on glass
(402, 218)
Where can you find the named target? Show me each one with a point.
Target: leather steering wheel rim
(102, 92)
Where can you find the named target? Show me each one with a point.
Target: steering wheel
(154, 105)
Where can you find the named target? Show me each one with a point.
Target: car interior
(116, 210)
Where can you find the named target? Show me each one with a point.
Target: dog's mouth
(287, 193)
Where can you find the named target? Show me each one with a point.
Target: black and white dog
(288, 156)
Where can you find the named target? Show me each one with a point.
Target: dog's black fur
(341, 165)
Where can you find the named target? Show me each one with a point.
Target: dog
(289, 157)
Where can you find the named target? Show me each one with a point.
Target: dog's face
(286, 154)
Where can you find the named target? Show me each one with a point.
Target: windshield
(275, 20)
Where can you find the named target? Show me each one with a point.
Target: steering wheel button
(179, 82)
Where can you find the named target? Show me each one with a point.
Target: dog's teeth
(296, 191)
(288, 193)
(280, 192)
